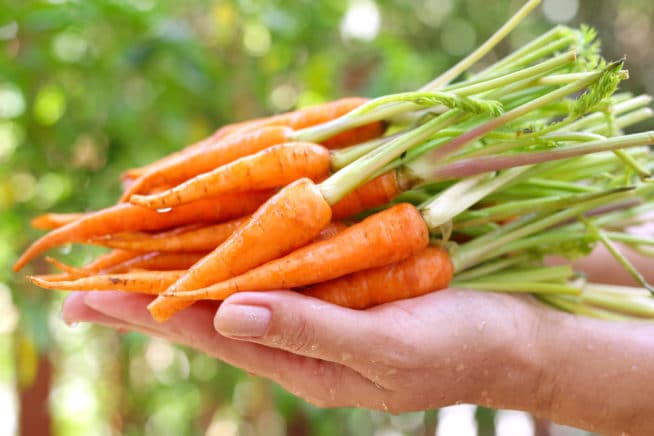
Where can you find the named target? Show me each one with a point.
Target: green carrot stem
(483, 49)
(613, 249)
(522, 287)
(559, 273)
(464, 194)
(471, 218)
(476, 133)
(575, 306)
(629, 238)
(530, 73)
(483, 164)
(490, 267)
(349, 178)
(557, 35)
(481, 248)
(629, 304)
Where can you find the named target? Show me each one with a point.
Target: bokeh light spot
(361, 21)
(23, 186)
(283, 97)
(11, 135)
(560, 11)
(8, 31)
(256, 39)
(458, 37)
(69, 46)
(12, 102)
(50, 105)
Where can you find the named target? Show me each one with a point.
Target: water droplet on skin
(332, 393)
(384, 406)
(314, 347)
(275, 339)
(481, 326)
(460, 367)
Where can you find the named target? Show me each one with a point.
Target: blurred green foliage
(90, 88)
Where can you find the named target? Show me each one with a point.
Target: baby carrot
(376, 192)
(386, 237)
(291, 218)
(207, 158)
(426, 271)
(126, 217)
(195, 239)
(275, 166)
(50, 221)
(156, 261)
(146, 282)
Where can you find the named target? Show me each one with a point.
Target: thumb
(305, 326)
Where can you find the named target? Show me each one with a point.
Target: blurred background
(90, 88)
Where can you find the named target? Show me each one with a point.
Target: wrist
(516, 373)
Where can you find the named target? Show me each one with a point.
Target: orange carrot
(207, 158)
(275, 166)
(126, 217)
(388, 236)
(106, 260)
(376, 192)
(158, 261)
(155, 260)
(146, 282)
(291, 218)
(426, 271)
(50, 221)
(195, 239)
(356, 135)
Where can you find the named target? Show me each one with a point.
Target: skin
(448, 347)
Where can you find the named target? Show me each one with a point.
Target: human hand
(440, 349)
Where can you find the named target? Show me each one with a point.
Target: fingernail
(242, 321)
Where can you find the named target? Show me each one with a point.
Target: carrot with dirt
(383, 238)
(273, 167)
(426, 271)
(146, 282)
(336, 187)
(128, 217)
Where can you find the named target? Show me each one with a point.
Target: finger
(310, 327)
(75, 310)
(320, 382)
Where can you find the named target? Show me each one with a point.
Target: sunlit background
(89, 88)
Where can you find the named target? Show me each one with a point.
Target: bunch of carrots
(470, 181)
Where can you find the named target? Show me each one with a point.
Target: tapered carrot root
(383, 238)
(426, 271)
(128, 217)
(155, 261)
(101, 263)
(196, 239)
(50, 221)
(273, 167)
(290, 219)
(207, 158)
(158, 261)
(376, 192)
(146, 282)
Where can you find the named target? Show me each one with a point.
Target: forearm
(578, 371)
